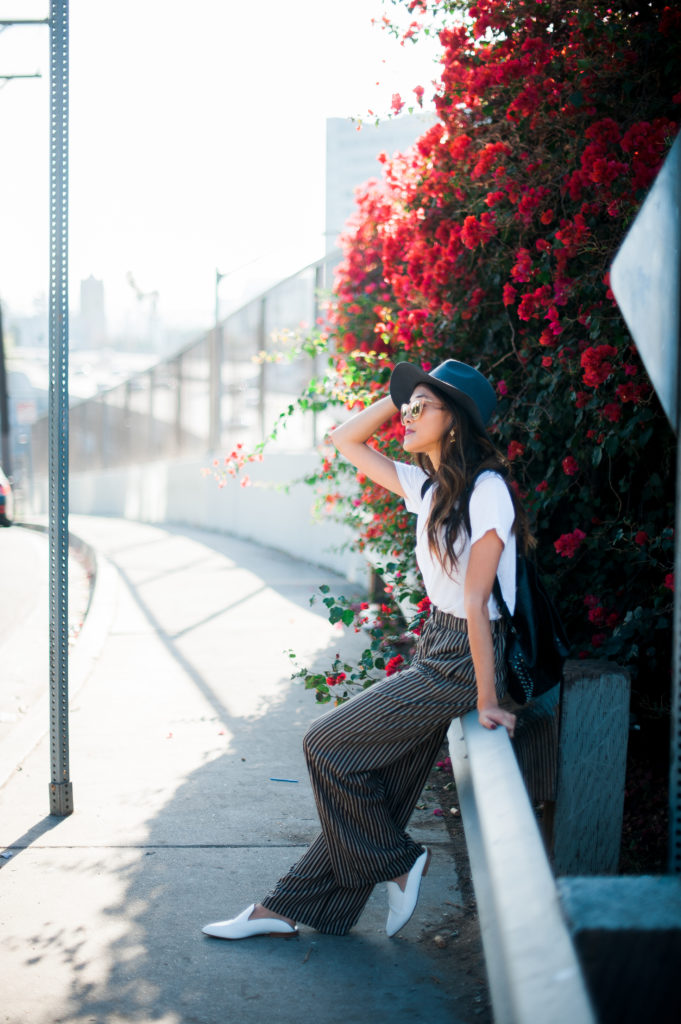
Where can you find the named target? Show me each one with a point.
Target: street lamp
(215, 391)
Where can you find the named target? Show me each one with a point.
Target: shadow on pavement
(179, 821)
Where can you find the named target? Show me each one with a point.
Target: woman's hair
(461, 461)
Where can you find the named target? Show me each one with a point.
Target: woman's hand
(492, 716)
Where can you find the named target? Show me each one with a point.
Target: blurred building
(352, 159)
(91, 325)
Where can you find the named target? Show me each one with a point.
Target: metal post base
(61, 798)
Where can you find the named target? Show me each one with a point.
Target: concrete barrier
(533, 971)
(275, 510)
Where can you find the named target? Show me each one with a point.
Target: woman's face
(423, 435)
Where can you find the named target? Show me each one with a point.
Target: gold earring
(452, 436)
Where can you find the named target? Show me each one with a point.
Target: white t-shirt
(491, 508)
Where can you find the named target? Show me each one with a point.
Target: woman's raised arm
(350, 439)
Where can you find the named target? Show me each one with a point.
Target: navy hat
(460, 382)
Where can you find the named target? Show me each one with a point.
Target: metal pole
(5, 453)
(61, 794)
(262, 382)
(316, 309)
(674, 213)
(215, 370)
(675, 737)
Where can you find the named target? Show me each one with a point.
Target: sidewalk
(184, 718)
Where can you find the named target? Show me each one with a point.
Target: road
(24, 619)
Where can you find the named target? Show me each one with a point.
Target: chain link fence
(216, 392)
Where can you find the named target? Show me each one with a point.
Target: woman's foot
(403, 893)
(254, 920)
(260, 912)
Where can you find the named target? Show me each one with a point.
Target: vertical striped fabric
(536, 744)
(368, 761)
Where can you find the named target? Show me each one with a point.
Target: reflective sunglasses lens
(411, 410)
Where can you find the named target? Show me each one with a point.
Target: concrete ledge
(533, 970)
(628, 934)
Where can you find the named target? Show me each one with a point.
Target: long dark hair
(463, 456)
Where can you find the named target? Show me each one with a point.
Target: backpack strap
(501, 604)
(428, 482)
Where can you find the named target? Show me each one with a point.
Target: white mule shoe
(242, 927)
(402, 904)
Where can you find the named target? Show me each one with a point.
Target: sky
(197, 142)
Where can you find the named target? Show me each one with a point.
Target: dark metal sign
(646, 280)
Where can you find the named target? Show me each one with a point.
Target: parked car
(6, 501)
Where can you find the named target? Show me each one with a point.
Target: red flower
(502, 388)
(568, 544)
(595, 362)
(612, 411)
(470, 232)
(596, 616)
(515, 449)
(521, 269)
(570, 465)
(669, 581)
(397, 103)
(641, 538)
(334, 680)
(543, 486)
(394, 664)
(492, 198)
(509, 294)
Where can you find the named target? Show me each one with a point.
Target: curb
(83, 655)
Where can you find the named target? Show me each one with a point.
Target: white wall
(176, 492)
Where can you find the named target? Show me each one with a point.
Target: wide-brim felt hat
(459, 381)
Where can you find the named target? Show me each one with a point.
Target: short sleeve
(491, 508)
(411, 481)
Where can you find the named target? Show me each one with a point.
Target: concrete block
(628, 935)
(592, 753)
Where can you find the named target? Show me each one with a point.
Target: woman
(370, 757)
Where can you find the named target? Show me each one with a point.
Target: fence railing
(212, 394)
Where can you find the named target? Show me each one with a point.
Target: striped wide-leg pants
(368, 761)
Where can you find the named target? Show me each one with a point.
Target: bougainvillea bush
(490, 241)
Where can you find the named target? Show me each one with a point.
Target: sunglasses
(412, 410)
